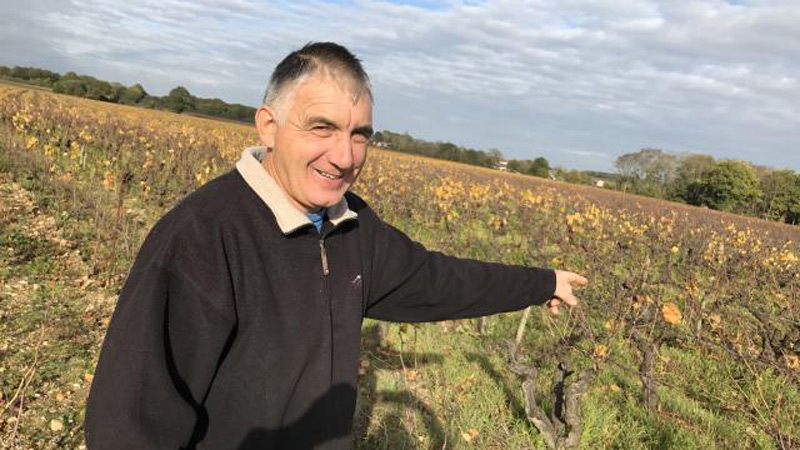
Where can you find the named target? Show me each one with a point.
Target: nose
(341, 155)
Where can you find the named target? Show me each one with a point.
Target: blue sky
(577, 81)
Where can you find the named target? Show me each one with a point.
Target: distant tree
(781, 196)
(540, 167)
(627, 166)
(69, 76)
(470, 156)
(5, 71)
(572, 176)
(404, 142)
(519, 165)
(727, 186)
(647, 171)
(179, 100)
(150, 101)
(70, 87)
(34, 75)
(650, 164)
(690, 168)
(48, 76)
(213, 107)
(494, 156)
(99, 89)
(242, 113)
(19, 72)
(447, 150)
(117, 90)
(132, 94)
(377, 137)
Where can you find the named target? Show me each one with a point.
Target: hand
(565, 282)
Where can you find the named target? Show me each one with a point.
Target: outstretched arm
(411, 284)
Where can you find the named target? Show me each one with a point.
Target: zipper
(326, 292)
(324, 256)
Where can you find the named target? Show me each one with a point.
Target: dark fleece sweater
(230, 334)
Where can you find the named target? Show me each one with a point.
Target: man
(239, 325)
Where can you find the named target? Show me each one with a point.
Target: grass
(455, 392)
(53, 314)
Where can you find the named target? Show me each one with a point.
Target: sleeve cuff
(544, 285)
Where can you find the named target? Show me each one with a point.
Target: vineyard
(688, 335)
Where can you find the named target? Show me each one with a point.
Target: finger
(569, 298)
(552, 305)
(573, 301)
(578, 280)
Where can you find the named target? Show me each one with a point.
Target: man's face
(321, 145)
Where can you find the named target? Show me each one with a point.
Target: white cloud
(602, 77)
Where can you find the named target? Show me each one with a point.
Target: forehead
(328, 94)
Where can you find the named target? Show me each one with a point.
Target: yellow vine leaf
(600, 351)
(470, 434)
(672, 313)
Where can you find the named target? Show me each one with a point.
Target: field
(687, 337)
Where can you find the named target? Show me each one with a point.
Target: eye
(322, 130)
(360, 139)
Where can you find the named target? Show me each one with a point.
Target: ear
(266, 125)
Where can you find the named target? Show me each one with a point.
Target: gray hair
(314, 58)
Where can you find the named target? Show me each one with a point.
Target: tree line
(726, 185)
(404, 142)
(538, 167)
(493, 158)
(178, 100)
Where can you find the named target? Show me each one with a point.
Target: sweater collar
(288, 217)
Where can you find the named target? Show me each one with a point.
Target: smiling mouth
(329, 176)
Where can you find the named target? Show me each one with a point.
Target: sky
(579, 82)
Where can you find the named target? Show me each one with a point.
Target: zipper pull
(324, 257)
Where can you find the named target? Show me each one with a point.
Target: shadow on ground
(393, 431)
